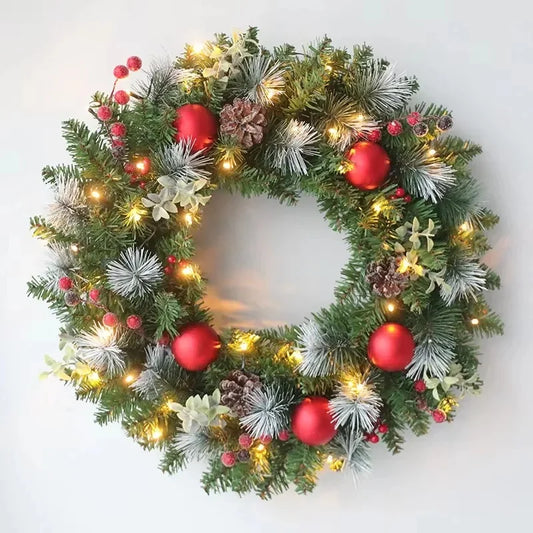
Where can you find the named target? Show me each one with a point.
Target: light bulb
(377, 207)
(130, 378)
(198, 48)
(95, 193)
(74, 248)
(226, 165)
(474, 321)
(188, 219)
(329, 68)
(157, 434)
(244, 346)
(187, 270)
(432, 152)
(260, 448)
(390, 307)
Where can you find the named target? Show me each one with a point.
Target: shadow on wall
(279, 278)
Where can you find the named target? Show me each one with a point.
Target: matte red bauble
(391, 347)
(197, 123)
(196, 347)
(312, 422)
(370, 165)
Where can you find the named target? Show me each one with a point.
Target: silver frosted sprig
(354, 450)
(100, 349)
(135, 274)
(267, 411)
(194, 446)
(464, 278)
(66, 213)
(178, 161)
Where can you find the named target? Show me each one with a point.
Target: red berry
(121, 97)
(400, 193)
(228, 459)
(117, 142)
(373, 438)
(284, 435)
(171, 259)
(374, 136)
(438, 415)
(104, 113)
(118, 129)
(420, 385)
(421, 404)
(94, 295)
(383, 428)
(134, 63)
(265, 439)
(134, 322)
(142, 184)
(394, 128)
(64, 283)
(407, 198)
(129, 168)
(168, 270)
(120, 71)
(110, 320)
(164, 340)
(245, 441)
(413, 118)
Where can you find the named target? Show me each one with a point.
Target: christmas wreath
(395, 351)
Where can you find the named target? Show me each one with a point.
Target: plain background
(61, 473)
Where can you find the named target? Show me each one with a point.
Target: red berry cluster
(373, 437)
(138, 169)
(246, 441)
(438, 414)
(171, 262)
(133, 63)
(72, 295)
(401, 193)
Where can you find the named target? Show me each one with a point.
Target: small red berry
(142, 184)
(129, 168)
(383, 428)
(245, 441)
(120, 71)
(413, 118)
(164, 340)
(118, 129)
(171, 259)
(373, 438)
(134, 322)
(407, 198)
(117, 142)
(228, 459)
(134, 63)
(110, 320)
(420, 385)
(121, 97)
(394, 128)
(168, 270)
(400, 193)
(439, 416)
(421, 404)
(104, 113)
(64, 283)
(284, 435)
(265, 439)
(374, 136)
(94, 295)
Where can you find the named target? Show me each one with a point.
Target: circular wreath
(396, 349)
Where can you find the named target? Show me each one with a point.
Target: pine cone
(385, 279)
(245, 120)
(235, 390)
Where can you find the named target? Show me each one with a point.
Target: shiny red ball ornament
(104, 113)
(391, 347)
(134, 322)
(196, 347)
(120, 71)
(197, 123)
(370, 165)
(121, 97)
(312, 422)
(64, 283)
(110, 320)
(134, 63)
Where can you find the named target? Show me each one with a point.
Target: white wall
(60, 473)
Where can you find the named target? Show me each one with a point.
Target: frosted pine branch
(178, 162)
(354, 450)
(464, 278)
(194, 446)
(100, 349)
(66, 213)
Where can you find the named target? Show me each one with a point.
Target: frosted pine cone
(235, 390)
(385, 279)
(245, 120)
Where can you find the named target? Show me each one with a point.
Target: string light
(243, 341)
(130, 378)
(260, 448)
(474, 321)
(198, 48)
(95, 194)
(188, 219)
(329, 459)
(432, 152)
(93, 378)
(226, 165)
(329, 68)
(156, 434)
(391, 307)
(187, 270)
(141, 166)
(333, 133)
(377, 207)
(270, 93)
(74, 248)
(404, 265)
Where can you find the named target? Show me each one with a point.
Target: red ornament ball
(197, 123)
(196, 347)
(420, 385)
(134, 63)
(110, 320)
(104, 113)
(284, 435)
(120, 71)
(374, 136)
(94, 295)
(64, 283)
(439, 416)
(312, 422)
(245, 441)
(413, 118)
(391, 347)
(228, 459)
(394, 127)
(121, 97)
(370, 165)
(134, 322)
(118, 129)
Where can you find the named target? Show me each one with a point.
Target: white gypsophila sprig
(67, 211)
(160, 373)
(293, 142)
(379, 89)
(267, 411)
(260, 79)
(100, 349)
(323, 353)
(136, 273)
(354, 450)
(464, 278)
(194, 446)
(356, 405)
(425, 175)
